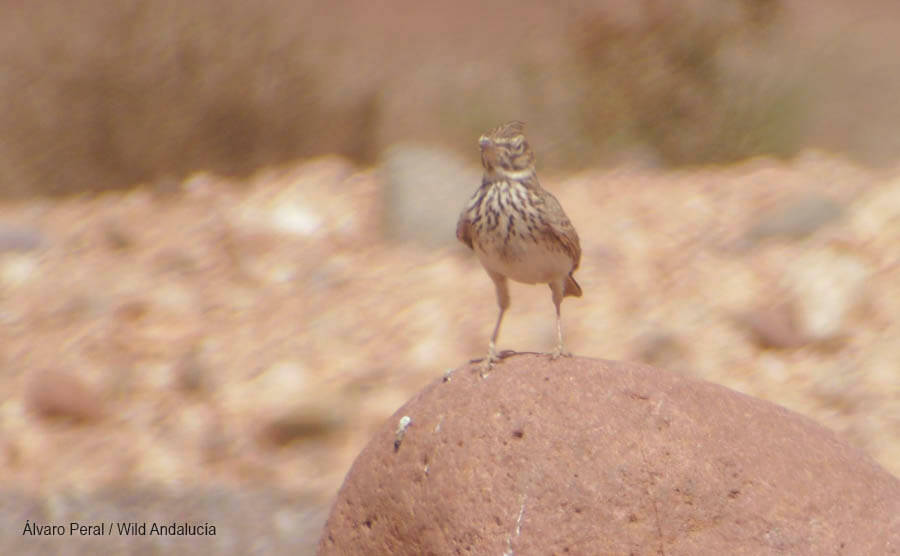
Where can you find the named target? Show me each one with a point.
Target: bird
(517, 229)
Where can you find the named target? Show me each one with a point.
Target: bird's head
(505, 151)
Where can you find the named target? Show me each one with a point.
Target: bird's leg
(503, 301)
(557, 290)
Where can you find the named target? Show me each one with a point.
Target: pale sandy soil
(255, 334)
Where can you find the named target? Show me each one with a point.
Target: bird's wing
(561, 229)
(463, 229)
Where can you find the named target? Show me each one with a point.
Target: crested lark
(517, 229)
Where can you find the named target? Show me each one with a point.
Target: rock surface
(585, 456)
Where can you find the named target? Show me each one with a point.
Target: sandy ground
(252, 335)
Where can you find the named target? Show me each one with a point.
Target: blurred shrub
(112, 94)
(662, 81)
(109, 94)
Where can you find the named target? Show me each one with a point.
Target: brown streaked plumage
(517, 229)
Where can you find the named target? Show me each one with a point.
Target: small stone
(794, 219)
(773, 327)
(132, 311)
(424, 191)
(191, 373)
(310, 422)
(662, 349)
(17, 269)
(19, 239)
(58, 394)
(280, 387)
(117, 238)
(826, 284)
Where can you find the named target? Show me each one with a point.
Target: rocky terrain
(244, 338)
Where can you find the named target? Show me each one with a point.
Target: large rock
(583, 456)
(424, 190)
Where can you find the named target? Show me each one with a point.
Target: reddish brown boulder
(583, 456)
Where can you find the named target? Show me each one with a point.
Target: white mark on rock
(404, 424)
(518, 529)
(437, 429)
(447, 374)
(519, 519)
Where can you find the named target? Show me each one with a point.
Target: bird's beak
(489, 155)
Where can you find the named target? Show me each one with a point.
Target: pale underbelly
(529, 263)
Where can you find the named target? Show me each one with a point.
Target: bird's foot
(486, 365)
(559, 352)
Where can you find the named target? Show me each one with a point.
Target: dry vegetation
(241, 320)
(105, 97)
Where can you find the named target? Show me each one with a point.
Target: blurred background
(227, 248)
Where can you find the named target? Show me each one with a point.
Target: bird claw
(487, 362)
(486, 365)
(559, 352)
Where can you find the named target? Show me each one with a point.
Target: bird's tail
(572, 288)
